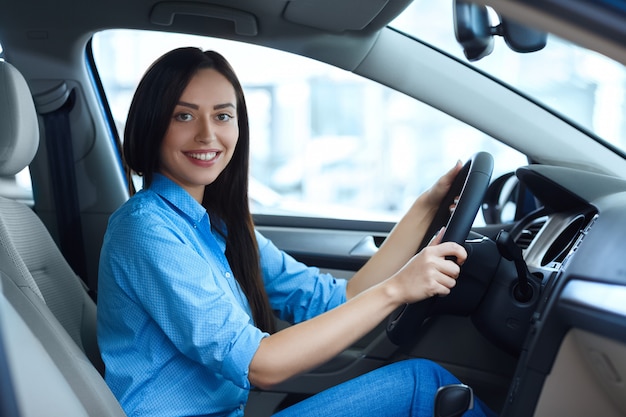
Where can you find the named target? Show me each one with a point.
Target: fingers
(439, 278)
(441, 187)
(430, 273)
(452, 250)
(452, 206)
(459, 251)
(448, 178)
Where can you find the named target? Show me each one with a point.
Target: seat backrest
(33, 255)
(62, 315)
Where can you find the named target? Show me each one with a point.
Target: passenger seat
(37, 282)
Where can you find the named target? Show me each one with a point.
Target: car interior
(537, 323)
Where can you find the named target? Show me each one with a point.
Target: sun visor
(344, 15)
(164, 13)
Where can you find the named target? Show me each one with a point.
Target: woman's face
(202, 133)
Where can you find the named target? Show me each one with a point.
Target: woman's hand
(405, 239)
(435, 194)
(429, 273)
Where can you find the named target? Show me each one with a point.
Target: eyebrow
(223, 106)
(196, 107)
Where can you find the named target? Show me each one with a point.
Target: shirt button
(227, 275)
(241, 407)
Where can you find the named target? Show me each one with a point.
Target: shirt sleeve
(179, 288)
(296, 291)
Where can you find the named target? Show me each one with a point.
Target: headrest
(19, 128)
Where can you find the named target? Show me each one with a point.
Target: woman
(188, 290)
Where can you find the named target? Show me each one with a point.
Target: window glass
(324, 141)
(584, 86)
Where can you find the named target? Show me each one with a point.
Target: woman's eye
(183, 117)
(224, 117)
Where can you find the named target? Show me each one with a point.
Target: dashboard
(573, 358)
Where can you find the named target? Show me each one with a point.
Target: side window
(324, 141)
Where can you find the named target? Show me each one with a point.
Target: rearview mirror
(474, 32)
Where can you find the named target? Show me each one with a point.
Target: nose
(206, 132)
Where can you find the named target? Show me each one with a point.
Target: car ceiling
(39, 25)
(44, 28)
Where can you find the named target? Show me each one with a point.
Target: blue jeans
(405, 388)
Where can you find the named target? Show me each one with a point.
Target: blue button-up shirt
(174, 327)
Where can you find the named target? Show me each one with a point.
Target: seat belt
(63, 180)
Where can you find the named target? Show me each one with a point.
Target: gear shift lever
(453, 400)
(511, 251)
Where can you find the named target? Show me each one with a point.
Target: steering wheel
(470, 186)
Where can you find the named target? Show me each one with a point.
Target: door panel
(342, 245)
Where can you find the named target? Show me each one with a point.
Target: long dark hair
(227, 197)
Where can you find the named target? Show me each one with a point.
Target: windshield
(581, 85)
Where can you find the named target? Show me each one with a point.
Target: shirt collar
(177, 196)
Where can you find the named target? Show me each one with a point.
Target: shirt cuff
(237, 363)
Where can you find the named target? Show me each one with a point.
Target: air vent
(526, 236)
(564, 241)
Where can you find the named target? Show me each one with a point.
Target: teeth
(203, 156)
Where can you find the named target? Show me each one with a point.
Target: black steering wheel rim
(470, 185)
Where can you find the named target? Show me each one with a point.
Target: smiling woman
(182, 264)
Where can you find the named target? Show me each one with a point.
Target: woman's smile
(207, 156)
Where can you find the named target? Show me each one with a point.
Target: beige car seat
(37, 282)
